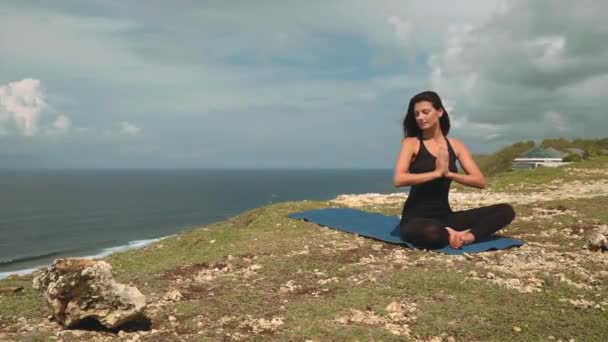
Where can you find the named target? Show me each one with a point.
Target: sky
(289, 84)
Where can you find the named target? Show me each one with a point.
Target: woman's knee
(436, 236)
(506, 211)
(424, 232)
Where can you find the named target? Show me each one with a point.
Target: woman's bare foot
(454, 238)
(457, 239)
(466, 237)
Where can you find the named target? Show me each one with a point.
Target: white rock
(76, 289)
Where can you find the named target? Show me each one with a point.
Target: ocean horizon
(92, 213)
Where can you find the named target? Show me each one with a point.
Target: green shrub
(572, 157)
(502, 159)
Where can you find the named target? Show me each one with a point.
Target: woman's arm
(406, 179)
(401, 175)
(473, 176)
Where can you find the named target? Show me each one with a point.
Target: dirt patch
(582, 228)
(245, 219)
(364, 278)
(587, 304)
(291, 287)
(586, 172)
(196, 291)
(355, 252)
(185, 330)
(245, 327)
(349, 256)
(240, 265)
(398, 318)
(206, 270)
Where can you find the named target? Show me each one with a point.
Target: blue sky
(280, 84)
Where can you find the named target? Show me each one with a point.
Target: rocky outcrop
(79, 289)
(598, 240)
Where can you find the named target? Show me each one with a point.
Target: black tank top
(429, 199)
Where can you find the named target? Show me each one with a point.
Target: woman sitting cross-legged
(427, 163)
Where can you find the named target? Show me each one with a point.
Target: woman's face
(426, 115)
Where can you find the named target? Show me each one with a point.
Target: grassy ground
(261, 275)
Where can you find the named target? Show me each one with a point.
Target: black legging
(482, 221)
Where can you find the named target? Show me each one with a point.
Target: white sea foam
(105, 252)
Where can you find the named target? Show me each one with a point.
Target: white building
(539, 156)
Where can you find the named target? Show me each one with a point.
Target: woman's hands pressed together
(442, 162)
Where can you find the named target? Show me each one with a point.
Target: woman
(427, 163)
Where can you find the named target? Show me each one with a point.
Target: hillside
(263, 276)
(501, 160)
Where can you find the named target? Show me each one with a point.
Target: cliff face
(262, 275)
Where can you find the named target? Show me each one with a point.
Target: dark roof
(539, 152)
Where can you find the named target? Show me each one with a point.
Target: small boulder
(78, 289)
(598, 240)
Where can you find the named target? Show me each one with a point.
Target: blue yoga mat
(386, 228)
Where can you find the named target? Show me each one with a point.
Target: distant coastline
(105, 252)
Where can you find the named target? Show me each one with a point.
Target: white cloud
(506, 69)
(546, 53)
(22, 104)
(110, 50)
(61, 125)
(23, 101)
(403, 29)
(532, 70)
(471, 129)
(129, 128)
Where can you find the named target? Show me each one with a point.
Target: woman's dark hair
(410, 127)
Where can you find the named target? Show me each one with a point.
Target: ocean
(92, 213)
